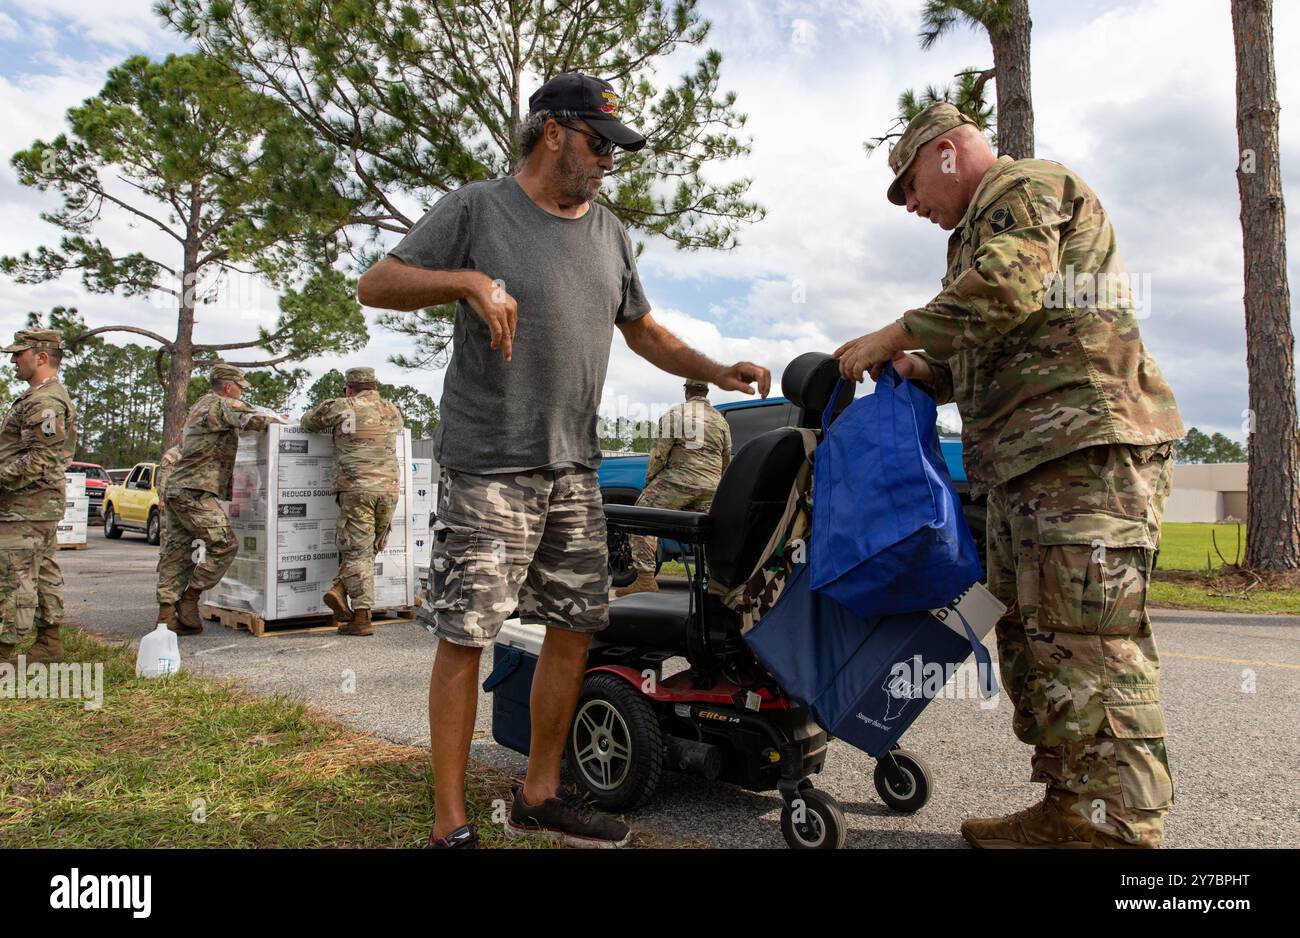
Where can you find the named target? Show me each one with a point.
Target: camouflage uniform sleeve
(940, 386)
(240, 416)
(726, 444)
(320, 418)
(44, 434)
(658, 457)
(1018, 242)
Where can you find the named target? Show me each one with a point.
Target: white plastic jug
(159, 655)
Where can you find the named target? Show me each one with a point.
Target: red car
(97, 483)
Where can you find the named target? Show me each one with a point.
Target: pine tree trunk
(181, 364)
(1273, 501)
(1012, 80)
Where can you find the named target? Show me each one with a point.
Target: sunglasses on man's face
(600, 146)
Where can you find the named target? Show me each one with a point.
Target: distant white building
(1208, 493)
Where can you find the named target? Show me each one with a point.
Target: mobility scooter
(723, 717)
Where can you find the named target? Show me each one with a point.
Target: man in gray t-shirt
(541, 275)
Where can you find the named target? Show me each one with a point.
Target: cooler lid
(527, 636)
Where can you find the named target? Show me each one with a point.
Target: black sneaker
(462, 838)
(566, 819)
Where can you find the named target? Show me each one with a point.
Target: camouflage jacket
(365, 429)
(1035, 333)
(693, 449)
(211, 441)
(38, 436)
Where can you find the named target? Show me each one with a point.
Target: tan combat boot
(187, 614)
(1044, 826)
(48, 646)
(359, 624)
(167, 616)
(644, 583)
(337, 601)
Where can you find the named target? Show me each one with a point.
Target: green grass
(1184, 546)
(1183, 595)
(271, 772)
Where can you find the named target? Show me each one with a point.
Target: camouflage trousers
(31, 584)
(532, 540)
(663, 493)
(1071, 548)
(365, 519)
(198, 545)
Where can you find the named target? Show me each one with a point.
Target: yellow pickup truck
(133, 505)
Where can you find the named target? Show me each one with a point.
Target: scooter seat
(656, 621)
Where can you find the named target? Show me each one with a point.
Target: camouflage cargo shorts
(532, 540)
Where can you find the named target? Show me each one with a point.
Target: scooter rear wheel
(615, 749)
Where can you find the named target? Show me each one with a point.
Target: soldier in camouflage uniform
(1068, 426)
(164, 470)
(198, 545)
(365, 428)
(38, 437)
(160, 476)
(683, 472)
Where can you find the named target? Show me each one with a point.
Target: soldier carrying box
(198, 545)
(365, 428)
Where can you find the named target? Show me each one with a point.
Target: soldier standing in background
(365, 428)
(198, 545)
(38, 437)
(683, 472)
(1068, 424)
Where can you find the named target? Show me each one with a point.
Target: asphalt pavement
(1230, 688)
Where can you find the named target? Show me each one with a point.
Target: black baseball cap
(591, 99)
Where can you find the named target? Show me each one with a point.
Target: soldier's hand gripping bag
(888, 535)
(866, 680)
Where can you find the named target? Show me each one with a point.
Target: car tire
(111, 530)
(621, 571)
(153, 530)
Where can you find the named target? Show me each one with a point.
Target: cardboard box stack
(422, 502)
(283, 513)
(76, 511)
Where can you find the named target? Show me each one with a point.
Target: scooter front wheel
(813, 821)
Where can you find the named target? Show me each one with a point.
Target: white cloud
(1139, 98)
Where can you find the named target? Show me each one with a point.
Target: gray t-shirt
(573, 279)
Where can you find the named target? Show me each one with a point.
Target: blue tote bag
(888, 535)
(857, 675)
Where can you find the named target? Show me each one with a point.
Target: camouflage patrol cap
(696, 385)
(34, 339)
(223, 372)
(935, 120)
(357, 377)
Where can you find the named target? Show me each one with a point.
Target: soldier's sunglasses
(601, 146)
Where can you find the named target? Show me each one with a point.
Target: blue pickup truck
(623, 477)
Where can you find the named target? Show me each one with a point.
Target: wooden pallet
(73, 546)
(298, 625)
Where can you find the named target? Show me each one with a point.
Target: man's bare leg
(453, 702)
(556, 685)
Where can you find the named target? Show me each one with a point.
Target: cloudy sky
(1138, 97)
